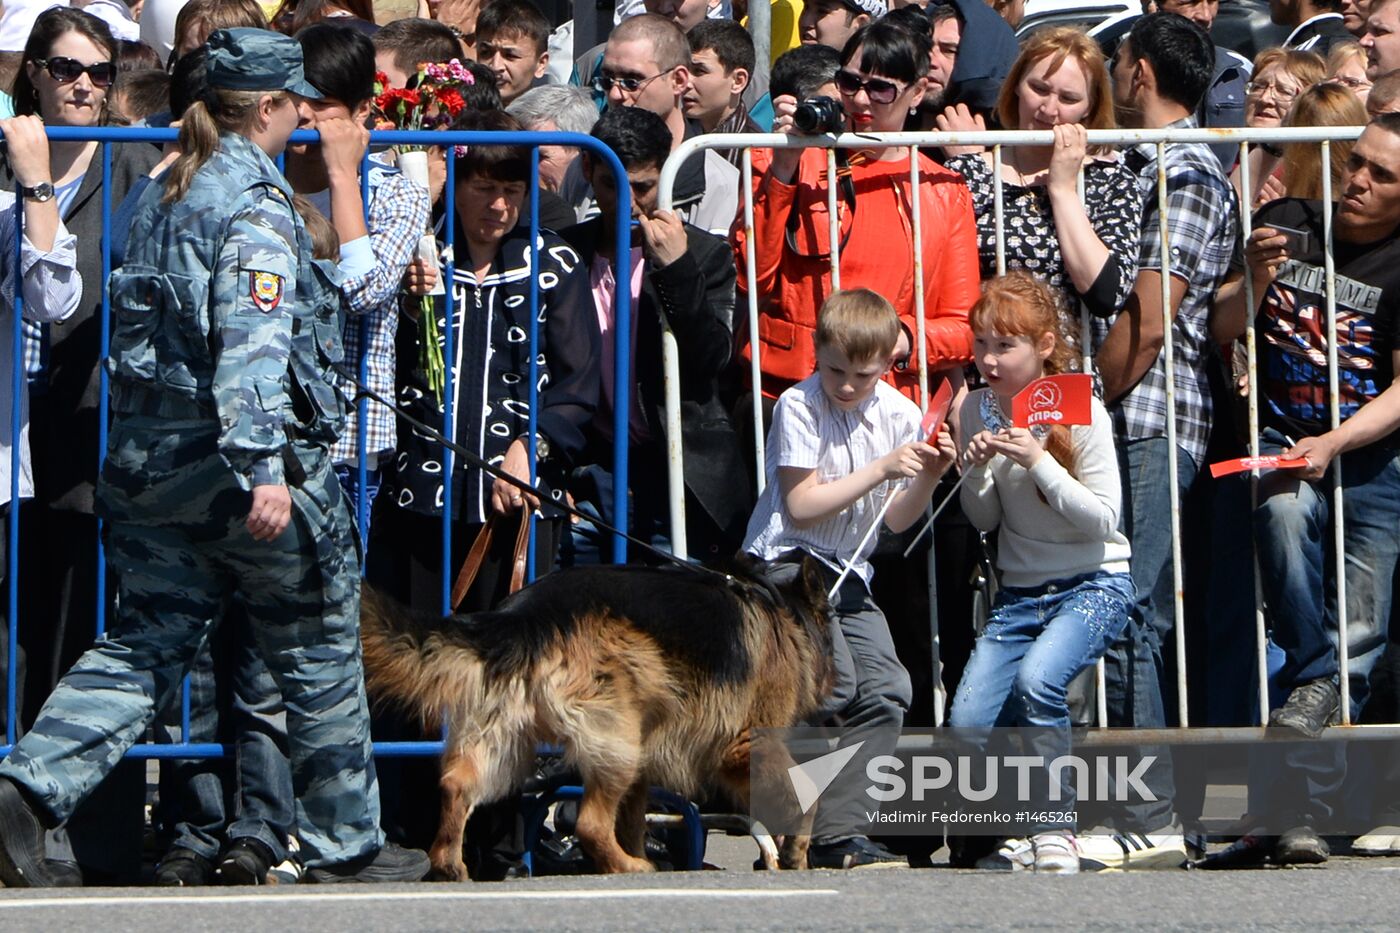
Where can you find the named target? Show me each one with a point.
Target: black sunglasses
(63, 70)
(603, 82)
(878, 90)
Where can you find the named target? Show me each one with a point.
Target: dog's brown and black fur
(644, 676)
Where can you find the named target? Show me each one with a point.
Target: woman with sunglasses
(1086, 250)
(881, 80)
(64, 76)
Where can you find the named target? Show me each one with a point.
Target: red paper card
(1242, 464)
(1063, 399)
(937, 411)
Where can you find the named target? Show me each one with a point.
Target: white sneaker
(1011, 855)
(1123, 851)
(1055, 854)
(291, 870)
(1383, 840)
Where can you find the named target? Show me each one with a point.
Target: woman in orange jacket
(882, 79)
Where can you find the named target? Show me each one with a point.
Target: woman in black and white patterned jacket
(1087, 250)
(489, 367)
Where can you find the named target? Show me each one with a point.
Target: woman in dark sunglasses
(881, 79)
(64, 78)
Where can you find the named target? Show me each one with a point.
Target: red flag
(937, 411)
(1063, 399)
(1270, 462)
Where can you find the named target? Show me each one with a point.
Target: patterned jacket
(489, 376)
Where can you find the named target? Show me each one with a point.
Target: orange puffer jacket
(877, 253)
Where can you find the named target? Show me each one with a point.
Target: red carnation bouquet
(432, 102)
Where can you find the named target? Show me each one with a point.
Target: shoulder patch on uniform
(265, 288)
(273, 191)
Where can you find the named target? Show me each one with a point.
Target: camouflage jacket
(223, 319)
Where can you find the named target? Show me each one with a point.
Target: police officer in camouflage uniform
(217, 481)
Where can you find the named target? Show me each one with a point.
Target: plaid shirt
(1203, 225)
(398, 216)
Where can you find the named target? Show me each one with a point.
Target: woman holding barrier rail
(67, 70)
(1086, 250)
(49, 283)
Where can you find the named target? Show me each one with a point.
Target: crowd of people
(240, 287)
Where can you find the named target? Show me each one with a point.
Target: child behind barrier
(842, 443)
(1065, 587)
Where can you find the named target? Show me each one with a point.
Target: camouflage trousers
(176, 575)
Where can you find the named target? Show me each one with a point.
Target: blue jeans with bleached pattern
(1036, 642)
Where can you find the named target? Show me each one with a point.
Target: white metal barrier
(996, 141)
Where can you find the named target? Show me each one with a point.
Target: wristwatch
(541, 445)
(40, 192)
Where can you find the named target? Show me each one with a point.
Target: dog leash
(364, 391)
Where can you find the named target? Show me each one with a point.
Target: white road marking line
(341, 897)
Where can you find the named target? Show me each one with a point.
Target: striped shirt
(1203, 227)
(810, 433)
(52, 289)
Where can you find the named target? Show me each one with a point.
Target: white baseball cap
(18, 22)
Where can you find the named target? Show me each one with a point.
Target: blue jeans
(1133, 664)
(648, 519)
(1147, 523)
(349, 476)
(1231, 652)
(1293, 532)
(1036, 642)
(233, 699)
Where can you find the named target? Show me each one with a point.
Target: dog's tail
(408, 658)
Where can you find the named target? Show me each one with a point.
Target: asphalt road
(1349, 893)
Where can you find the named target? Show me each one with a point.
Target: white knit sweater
(1073, 529)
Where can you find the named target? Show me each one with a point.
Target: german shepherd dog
(644, 676)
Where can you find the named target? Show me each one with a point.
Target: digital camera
(819, 115)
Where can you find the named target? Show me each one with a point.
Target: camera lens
(817, 115)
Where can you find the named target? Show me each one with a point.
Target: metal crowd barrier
(997, 141)
(109, 135)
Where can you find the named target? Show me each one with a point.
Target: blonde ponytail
(202, 122)
(199, 140)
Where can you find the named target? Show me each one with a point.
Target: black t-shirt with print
(1292, 324)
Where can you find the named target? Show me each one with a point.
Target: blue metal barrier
(622, 336)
